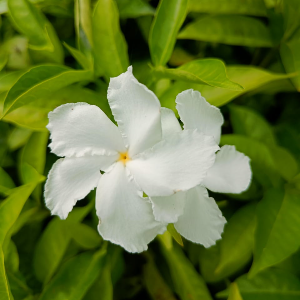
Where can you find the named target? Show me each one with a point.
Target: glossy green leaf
(75, 277)
(247, 122)
(234, 293)
(236, 245)
(11, 207)
(246, 7)
(223, 29)
(80, 57)
(35, 115)
(168, 19)
(270, 284)
(188, 284)
(5, 292)
(38, 82)
(32, 23)
(134, 8)
(83, 25)
(53, 243)
(250, 78)
(9, 79)
(277, 235)
(6, 183)
(290, 57)
(110, 48)
(204, 71)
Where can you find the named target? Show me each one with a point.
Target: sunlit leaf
(168, 19)
(134, 8)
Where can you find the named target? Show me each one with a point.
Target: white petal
(71, 179)
(126, 218)
(177, 163)
(136, 110)
(202, 221)
(169, 122)
(196, 112)
(231, 172)
(168, 209)
(79, 129)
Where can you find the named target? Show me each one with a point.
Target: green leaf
(175, 234)
(234, 293)
(110, 48)
(290, 56)
(9, 79)
(154, 282)
(5, 292)
(223, 29)
(83, 26)
(236, 245)
(250, 78)
(53, 243)
(75, 277)
(134, 8)
(80, 57)
(35, 114)
(188, 284)
(277, 235)
(248, 122)
(6, 183)
(38, 82)
(270, 284)
(32, 23)
(11, 207)
(18, 138)
(208, 71)
(84, 236)
(168, 19)
(247, 7)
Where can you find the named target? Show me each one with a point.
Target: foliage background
(58, 51)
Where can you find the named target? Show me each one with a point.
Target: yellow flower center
(124, 157)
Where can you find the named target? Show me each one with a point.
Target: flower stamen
(124, 157)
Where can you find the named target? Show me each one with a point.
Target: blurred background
(242, 55)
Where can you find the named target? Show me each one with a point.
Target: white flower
(134, 157)
(195, 215)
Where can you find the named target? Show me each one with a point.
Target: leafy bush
(54, 52)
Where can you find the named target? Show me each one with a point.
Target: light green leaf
(270, 284)
(277, 235)
(53, 243)
(236, 245)
(168, 19)
(134, 8)
(84, 236)
(291, 15)
(248, 122)
(6, 183)
(234, 293)
(7, 80)
(75, 277)
(83, 26)
(110, 48)
(188, 284)
(5, 292)
(290, 56)
(38, 82)
(32, 23)
(18, 138)
(223, 29)
(175, 234)
(238, 7)
(80, 57)
(204, 71)
(250, 78)
(35, 115)
(11, 207)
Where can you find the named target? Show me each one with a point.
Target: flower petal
(168, 209)
(202, 221)
(177, 163)
(71, 179)
(126, 217)
(231, 172)
(169, 122)
(79, 128)
(136, 110)
(196, 112)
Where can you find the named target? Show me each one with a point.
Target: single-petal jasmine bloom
(195, 215)
(134, 156)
